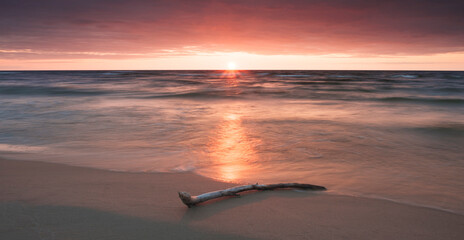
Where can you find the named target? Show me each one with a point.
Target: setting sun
(231, 66)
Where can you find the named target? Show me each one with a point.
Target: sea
(394, 135)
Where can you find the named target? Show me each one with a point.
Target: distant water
(382, 134)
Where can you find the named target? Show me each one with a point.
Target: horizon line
(236, 70)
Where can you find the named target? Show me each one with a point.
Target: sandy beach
(52, 201)
(111, 112)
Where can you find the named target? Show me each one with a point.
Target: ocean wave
(16, 148)
(182, 169)
(111, 73)
(361, 90)
(422, 100)
(198, 95)
(405, 76)
(39, 90)
(341, 76)
(293, 75)
(191, 74)
(9, 72)
(184, 81)
(450, 89)
(443, 129)
(318, 82)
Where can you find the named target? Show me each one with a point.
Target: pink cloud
(127, 29)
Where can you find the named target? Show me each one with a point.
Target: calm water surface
(382, 134)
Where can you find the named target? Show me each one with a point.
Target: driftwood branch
(190, 201)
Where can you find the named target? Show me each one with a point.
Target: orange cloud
(104, 29)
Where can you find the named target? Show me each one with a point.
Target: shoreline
(231, 184)
(146, 204)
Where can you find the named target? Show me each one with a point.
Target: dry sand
(53, 201)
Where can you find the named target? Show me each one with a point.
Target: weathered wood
(190, 201)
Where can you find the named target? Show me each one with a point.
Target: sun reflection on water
(231, 76)
(231, 150)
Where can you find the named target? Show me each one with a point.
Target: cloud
(128, 29)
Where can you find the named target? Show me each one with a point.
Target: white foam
(20, 148)
(186, 168)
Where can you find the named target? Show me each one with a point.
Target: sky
(209, 34)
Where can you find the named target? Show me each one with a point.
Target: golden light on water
(231, 75)
(231, 150)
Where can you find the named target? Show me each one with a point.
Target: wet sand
(52, 201)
